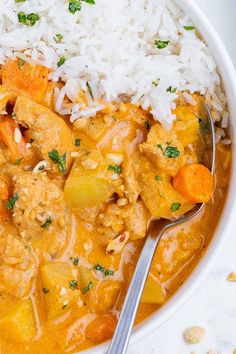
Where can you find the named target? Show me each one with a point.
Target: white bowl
(224, 227)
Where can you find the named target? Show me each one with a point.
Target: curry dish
(75, 200)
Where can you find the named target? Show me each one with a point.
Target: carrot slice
(7, 129)
(195, 182)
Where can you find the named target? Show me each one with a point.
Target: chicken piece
(40, 212)
(136, 220)
(129, 174)
(25, 79)
(49, 132)
(17, 266)
(164, 149)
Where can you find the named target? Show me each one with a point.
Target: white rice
(111, 46)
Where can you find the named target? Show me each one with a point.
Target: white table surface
(213, 305)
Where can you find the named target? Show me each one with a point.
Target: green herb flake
(161, 44)
(18, 1)
(27, 247)
(160, 147)
(89, 89)
(74, 6)
(61, 61)
(88, 287)
(141, 97)
(117, 169)
(109, 272)
(158, 178)
(11, 202)
(147, 125)
(20, 63)
(171, 152)
(58, 38)
(17, 162)
(45, 290)
(77, 142)
(175, 206)
(73, 284)
(41, 168)
(75, 261)
(63, 307)
(59, 160)
(47, 223)
(99, 268)
(171, 89)
(189, 28)
(91, 2)
(27, 19)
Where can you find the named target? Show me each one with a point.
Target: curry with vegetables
(75, 201)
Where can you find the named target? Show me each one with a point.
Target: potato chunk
(24, 78)
(86, 188)
(59, 288)
(19, 324)
(153, 293)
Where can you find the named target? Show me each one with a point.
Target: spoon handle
(123, 330)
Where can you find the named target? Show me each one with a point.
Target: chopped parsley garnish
(47, 223)
(77, 142)
(45, 290)
(147, 125)
(161, 44)
(17, 162)
(57, 159)
(18, 1)
(158, 178)
(171, 152)
(88, 287)
(41, 168)
(61, 61)
(189, 28)
(74, 5)
(58, 38)
(64, 306)
(175, 206)
(75, 261)
(141, 97)
(27, 19)
(20, 63)
(171, 89)
(99, 268)
(117, 169)
(89, 89)
(103, 270)
(73, 284)
(11, 202)
(108, 272)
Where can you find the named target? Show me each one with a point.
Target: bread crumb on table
(193, 335)
(232, 277)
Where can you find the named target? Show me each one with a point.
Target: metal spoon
(157, 228)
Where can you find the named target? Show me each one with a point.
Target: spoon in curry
(157, 228)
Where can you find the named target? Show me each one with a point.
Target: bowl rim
(226, 222)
